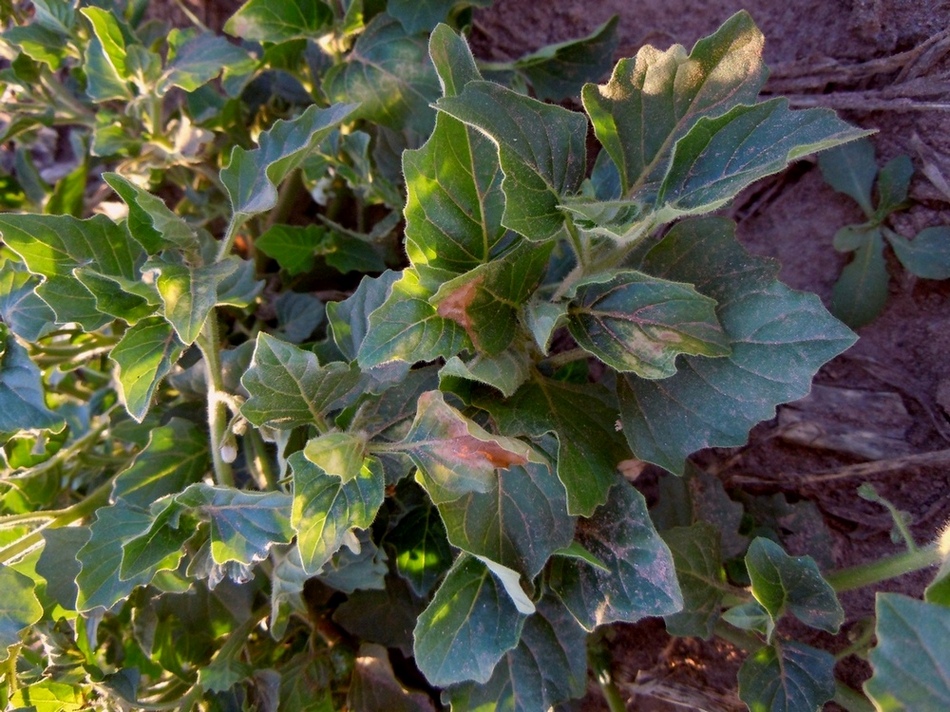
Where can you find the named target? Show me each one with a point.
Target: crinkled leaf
(779, 339)
(583, 419)
(635, 322)
(911, 666)
(851, 169)
(251, 177)
(466, 629)
(698, 559)
(792, 584)
(640, 578)
(190, 293)
(422, 552)
(288, 386)
(787, 676)
(407, 327)
(19, 609)
(28, 316)
(423, 15)
(293, 246)
(860, 293)
(151, 223)
(388, 73)
(558, 71)
(652, 100)
(506, 371)
(455, 456)
(326, 508)
(927, 255)
(22, 399)
(202, 58)
(720, 156)
(519, 523)
(374, 685)
(549, 666)
(280, 21)
(144, 356)
(541, 148)
(176, 456)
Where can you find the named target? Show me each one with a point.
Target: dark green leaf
(190, 293)
(389, 75)
(288, 386)
(792, 584)
(653, 100)
(358, 565)
(927, 255)
(519, 523)
(541, 147)
(466, 629)
(348, 253)
(20, 607)
(422, 553)
(22, 399)
(294, 247)
(144, 356)
(386, 616)
(349, 319)
(58, 564)
(203, 57)
(280, 21)
(721, 156)
(779, 339)
(911, 667)
(176, 455)
(851, 169)
(28, 316)
(893, 183)
(698, 559)
(326, 509)
(635, 322)
(557, 72)
(786, 677)
(423, 15)
(506, 371)
(298, 315)
(117, 296)
(549, 666)
(860, 293)
(583, 419)
(640, 579)
(150, 222)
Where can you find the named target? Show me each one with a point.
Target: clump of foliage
(314, 395)
(861, 291)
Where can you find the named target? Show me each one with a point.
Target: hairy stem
(851, 700)
(217, 400)
(883, 569)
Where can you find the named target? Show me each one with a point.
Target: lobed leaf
(19, 609)
(190, 293)
(787, 676)
(22, 398)
(145, 354)
(27, 316)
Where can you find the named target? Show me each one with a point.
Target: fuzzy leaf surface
(144, 356)
(787, 676)
(270, 21)
(466, 629)
(22, 399)
(779, 338)
(541, 148)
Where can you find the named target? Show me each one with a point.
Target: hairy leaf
(161, 546)
(19, 609)
(144, 356)
(28, 316)
(190, 293)
(787, 676)
(22, 399)
(270, 21)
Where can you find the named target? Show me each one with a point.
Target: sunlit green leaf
(269, 21)
(151, 223)
(190, 293)
(338, 454)
(422, 552)
(144, 356)
(787, 676)
(38, 43)
(49, 696)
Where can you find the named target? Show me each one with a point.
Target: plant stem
(577, 242)
(566, 357)
(217, 407)
(742, 639)
(608, 687)
(851, 700)
(260, 459)
(887, 568)
(229, 236)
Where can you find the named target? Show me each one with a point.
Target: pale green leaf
(49, 696)
(201, 59)
(144, 356)
(190, 293)
(466, 629)
(638, 323)
(860, 293)
(787, 676)
(851, 169)
(543, 318)
(117, 296)
(19, 608)
(506, 371)
(910, 662)
(698, 558)
(280, 21)
(22, 398)
(151, 223)
(640, 578)
(326, 509)
(927, 255)
(28, 316)
(288, 386)
(779, 339)
(337, 454)
(358, 565)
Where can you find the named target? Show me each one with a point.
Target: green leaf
(466, 629)
(145, 354)
(350, 253)
(851, 169)
(423, 15)
(787, 676)
(190, 293)
(893, 183)
(269, 21)
(779, 339)
(22, 399)
(861, 292)
(244, 525)
(69, 193)
(150, 222)
(541, 148)
(20, 607)
(386, 616)
(558, 72)
(298, 316)
(927, 255)
(455, 456)
(326, 508)
(251, 177)
(721, 156)
(408, 328)
(53, 246)
(548, 667)
(117, 296)
(506, 371)
(98, 581)
(161, 546)
(583, 419)
(388, 73)
(294, 247)
(337, 454)
(349, 319)
(288, 387)
(698, 558)
(911, 667)
(37, 43)
(176, 455)
(103, 80)
(202, 58)
(792, 584)
(634, 322)
(28, 316)
(422, 552)
(653, 100)
(58, 564)
(519, 523)
(358, 565)
(49, 696)
(639, 580)
(108, 31)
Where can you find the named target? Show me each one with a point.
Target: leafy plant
(235, 475)
(861, 291)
